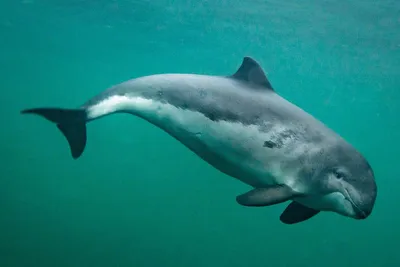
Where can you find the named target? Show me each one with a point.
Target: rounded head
(347, 181)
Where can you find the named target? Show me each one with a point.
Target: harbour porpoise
(241, 126)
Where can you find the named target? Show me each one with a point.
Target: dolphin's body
(243, 128)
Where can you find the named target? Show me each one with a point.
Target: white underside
(240, 145)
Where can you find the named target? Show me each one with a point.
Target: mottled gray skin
(251, 104)
(274, 142)
(240, 102)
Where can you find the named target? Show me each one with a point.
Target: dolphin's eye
(338, 174)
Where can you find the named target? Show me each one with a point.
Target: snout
(364, 209)
(362, 206)
(360, 213)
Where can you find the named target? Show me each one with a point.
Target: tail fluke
(71, 122)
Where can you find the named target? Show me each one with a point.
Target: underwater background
(138, 197)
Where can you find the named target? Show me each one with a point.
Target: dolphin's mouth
(359, 212)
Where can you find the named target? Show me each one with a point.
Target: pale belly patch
(236, 149)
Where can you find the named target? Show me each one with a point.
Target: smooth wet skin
(243, 128)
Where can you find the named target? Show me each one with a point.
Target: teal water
(137, 197)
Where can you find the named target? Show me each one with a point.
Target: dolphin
(240, 125)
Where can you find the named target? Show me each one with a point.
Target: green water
(137, 197)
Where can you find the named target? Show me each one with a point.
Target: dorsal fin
(252, 72)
